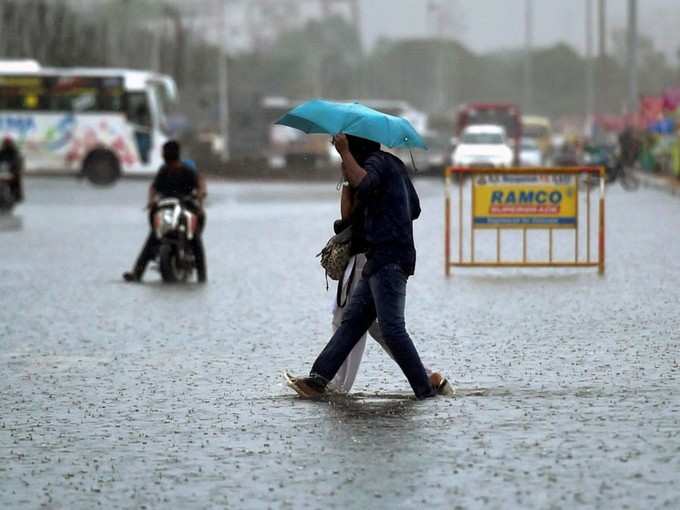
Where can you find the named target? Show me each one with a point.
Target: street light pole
(223, 80)
(590, 75)
(528, 48)
(602, 78)
(356, 19)
(632, 56)
(602, 27)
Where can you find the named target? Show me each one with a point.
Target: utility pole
(223, 77)
(155, 50)
(590, 75)
(3, 44)
(528, 100)
(438, 19)
(602, 28)
(602, 81)
(632, 56)
(177, 29)
(356, 19)
(441, 57)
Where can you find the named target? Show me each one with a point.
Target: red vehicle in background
(506, 115)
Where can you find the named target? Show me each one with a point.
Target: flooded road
(150, 396)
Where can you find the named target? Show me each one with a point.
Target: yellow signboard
(524, 201)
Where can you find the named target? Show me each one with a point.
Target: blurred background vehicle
(506, 115)
(287, 146)
(539, 129)
(530, 153)
(483, 145)
(99, 122)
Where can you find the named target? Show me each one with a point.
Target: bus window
(61, 94)
(74, 100)
(86, 94)
(111, 94)
(22, 93)
(139, 115)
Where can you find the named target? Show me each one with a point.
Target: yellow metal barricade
(524, 199)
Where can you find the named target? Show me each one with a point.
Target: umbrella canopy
(320, 116)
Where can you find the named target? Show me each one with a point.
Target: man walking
(389, 204)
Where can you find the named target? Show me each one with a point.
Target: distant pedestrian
(629, 146)
(11, 156)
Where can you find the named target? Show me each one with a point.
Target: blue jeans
(383, 294)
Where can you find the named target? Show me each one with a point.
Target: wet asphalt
(117, 395)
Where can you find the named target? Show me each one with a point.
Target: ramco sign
(525, 201)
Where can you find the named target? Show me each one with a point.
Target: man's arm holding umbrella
(364, 180)
(350, 168)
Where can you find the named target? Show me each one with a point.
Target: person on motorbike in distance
(174, 179)
(10, 154)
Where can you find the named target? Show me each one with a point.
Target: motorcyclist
(174, 179)
(10, 154)
(629, 146)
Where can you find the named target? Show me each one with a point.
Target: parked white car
(483, 145)
(530, 153)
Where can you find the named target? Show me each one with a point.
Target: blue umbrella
(320, 116)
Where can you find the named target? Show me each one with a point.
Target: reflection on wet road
(153, 396)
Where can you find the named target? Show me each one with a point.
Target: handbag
(336, 254)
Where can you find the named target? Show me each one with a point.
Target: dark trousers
(151, 245)
(382, 295)
(17, 187)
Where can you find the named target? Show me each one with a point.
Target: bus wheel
(101, 167)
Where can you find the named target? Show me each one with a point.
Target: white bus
(100, 123)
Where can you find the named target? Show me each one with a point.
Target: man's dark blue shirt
(390, 204)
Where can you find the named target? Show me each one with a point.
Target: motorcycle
(598, 155)
(609, 158)
(175, 226)
(7, 198)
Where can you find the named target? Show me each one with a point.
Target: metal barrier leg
(601, 252)
(460, 219)
(447, 236)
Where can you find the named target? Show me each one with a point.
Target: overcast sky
(486, 25)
